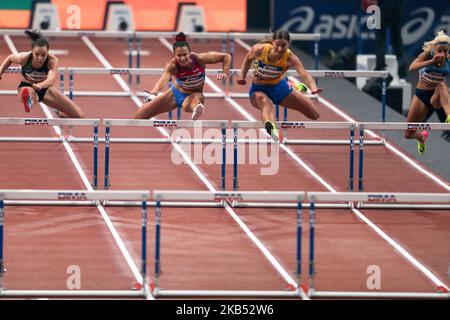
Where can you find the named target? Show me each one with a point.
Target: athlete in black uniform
(39, 73)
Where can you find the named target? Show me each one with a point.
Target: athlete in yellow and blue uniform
(269, 86)
(431, 91)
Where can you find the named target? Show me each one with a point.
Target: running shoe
(421, 146)
(300, 86)
(27, 99)
(446, 135)
(272, 130)
(198, 111)
(448, 119)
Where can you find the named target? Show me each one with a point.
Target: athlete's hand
(438, 60)
(241, 82)
(150, 96)
(316, 91)
(221, 75)
(36, 86)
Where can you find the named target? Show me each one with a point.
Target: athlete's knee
(441, 84)
(409, 134)
(260, 97)
(442, 87)
(140, 114)
(315, 115)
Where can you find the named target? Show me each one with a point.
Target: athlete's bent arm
(164, 79)
(247, 62)
(216, 57)
(421, 62)
(12, 58)
(53, 64)
(306, 77)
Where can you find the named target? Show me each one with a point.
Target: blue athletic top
(433, 75)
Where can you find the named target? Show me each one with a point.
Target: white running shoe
(198, 111)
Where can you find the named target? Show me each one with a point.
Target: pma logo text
(165, 124)
(421, 126)
(36, 122)
(296, 125)
(75, 196)
(120, 71)
(334, 75)
(228, 197)
(382, 198)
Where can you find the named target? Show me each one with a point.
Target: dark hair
(37, 39)
(180, 41)
(281, 34)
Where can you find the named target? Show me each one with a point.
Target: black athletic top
(32, 74)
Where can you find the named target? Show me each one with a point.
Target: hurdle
(298, 198)
(326, 74)
(45, 122)
(367, 197)
(160, 124)
(236, 125)
(362, 126)
(224, 197)
(61, 195)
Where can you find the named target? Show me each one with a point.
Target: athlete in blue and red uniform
(189, 71)
(431, 91)
(39, 73)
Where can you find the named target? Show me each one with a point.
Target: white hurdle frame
(389, 126)
(236, 125)
(297, 197)
(171, 124)
(44, 122)
(351, 126)
(60, 195)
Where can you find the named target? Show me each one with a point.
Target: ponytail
(37, 39)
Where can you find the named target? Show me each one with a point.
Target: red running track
(204, 248)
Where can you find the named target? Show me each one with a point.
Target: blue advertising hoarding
(338, 22)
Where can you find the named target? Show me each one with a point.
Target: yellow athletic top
(270, 72)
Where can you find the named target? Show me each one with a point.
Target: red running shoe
(27, 99)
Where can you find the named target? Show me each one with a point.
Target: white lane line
(105, 62)
(285, 274)
(76, 163)
(401, 250)
(393, 243)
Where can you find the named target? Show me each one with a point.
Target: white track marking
(134, 269)
(208, 184)
(105, 62)
(400, 249)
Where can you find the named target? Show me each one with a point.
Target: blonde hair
(441, 37)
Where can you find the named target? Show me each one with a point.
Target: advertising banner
(339, 21)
